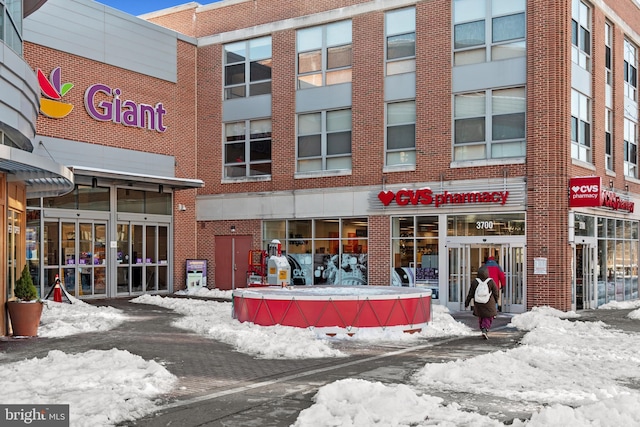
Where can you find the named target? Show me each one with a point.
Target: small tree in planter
(26, 311)
(25, 290)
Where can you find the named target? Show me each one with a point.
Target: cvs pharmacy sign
(585, 192)
(588, 192)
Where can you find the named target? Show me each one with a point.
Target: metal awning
(43, 177)
(121, 177)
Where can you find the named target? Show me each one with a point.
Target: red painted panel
(328, 313)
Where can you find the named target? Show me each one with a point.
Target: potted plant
(25, 311)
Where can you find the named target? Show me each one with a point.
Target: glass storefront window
(130, 200)
(415, 257)
(274, 230)
(584, 225)
(82, 197)
(323, 251)
(96, 199)
(157, 203)
(327, 228)
(617, 260)
(486, 225)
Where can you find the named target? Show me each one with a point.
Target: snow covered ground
(579, 373)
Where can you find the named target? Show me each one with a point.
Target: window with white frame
(608, 139)
(630, 71)
(608, 52)
(324, 55)
(490, 124)
(324, 141)
(580, 126)
(401, 133)
(488, 30)
(580, 34)
(630, 148)
(400, 31)
(247, 148)
(247, 68)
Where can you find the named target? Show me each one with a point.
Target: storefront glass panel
(34, 254)
(324, 251)
(486, 225)
(14, 248)
(415, 257)
(137, 257)
(95, 199)
(617, 259)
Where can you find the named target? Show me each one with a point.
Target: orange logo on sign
(54, 90)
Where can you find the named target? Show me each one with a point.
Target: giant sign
(587, 191)
(125, 112)
(101, 102)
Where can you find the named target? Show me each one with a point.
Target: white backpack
(483, 293)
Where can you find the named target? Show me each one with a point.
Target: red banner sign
(588, 192)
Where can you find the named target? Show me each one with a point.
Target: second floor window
(490, 124)
(324, 55)
(580, 127)
(630, 149)
(401, 133)
(608, 139)
(247, 148)
(247, 68)
(324, 141)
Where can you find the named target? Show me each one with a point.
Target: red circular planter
(335, 309)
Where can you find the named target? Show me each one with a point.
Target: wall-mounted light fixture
(611, 184)
(160, 188)
(233, 228)
(626, 188)
(181, 207)
(94, 182)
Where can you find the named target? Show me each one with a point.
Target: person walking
(485, 311)
(498, 276)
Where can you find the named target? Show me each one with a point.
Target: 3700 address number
(484, 225)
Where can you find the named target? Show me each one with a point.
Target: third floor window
(581, 34)
(324, 55)
(247, 68)
(400, 31)
(488, 30)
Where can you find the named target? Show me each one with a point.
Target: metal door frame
(589, 261)
(511, 256)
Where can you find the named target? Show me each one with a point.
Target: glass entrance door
(142, 257)
(513, 261)
(584, 292)
(464, 260)
(76, 251)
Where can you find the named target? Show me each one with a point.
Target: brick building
(410, 140)
(382, 142)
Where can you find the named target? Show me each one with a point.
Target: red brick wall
(548, 151)
(178, 140)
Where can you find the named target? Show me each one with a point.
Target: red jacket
(496, 273)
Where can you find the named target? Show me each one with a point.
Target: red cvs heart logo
(386, 197)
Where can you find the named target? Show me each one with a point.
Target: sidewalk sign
(196, 273)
